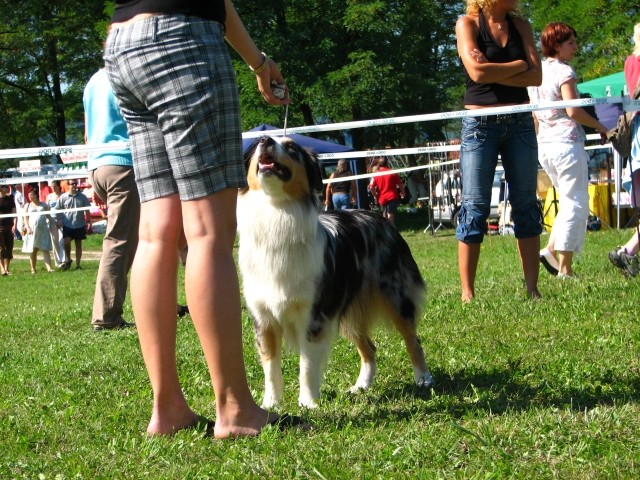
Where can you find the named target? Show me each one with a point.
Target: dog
(309, 275)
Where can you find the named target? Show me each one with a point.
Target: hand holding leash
(271, 82)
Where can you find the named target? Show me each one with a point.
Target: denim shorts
(484, 138)
(176, 88)
(341, 201)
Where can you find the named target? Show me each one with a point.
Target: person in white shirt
(561, 149)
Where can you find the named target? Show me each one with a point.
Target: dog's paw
(307, 402)
(270, 401)
(360, 386)
(424, 379)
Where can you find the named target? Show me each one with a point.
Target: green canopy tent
(609, 86)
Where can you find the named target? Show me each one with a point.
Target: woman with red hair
(561, 149)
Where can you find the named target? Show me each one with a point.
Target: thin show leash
(279, 92)
(286, 116)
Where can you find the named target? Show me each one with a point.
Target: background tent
(357, 165)
(319, 146)
(613, 85)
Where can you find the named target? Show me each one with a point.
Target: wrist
(262, 65)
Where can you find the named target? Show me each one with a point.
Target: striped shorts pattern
(176, 88)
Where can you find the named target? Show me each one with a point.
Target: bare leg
(153, 295)
(213, 295)
(78, 252)
(632, 245)
(529, 249)
(468, 256)
(565, 259)
(67, 249)
(47, 260)
(33, 259)
(551, 243)
(392, 218)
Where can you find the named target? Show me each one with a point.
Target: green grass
(524, 389)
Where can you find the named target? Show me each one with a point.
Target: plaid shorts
(176, 88)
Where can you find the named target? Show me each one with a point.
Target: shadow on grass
(463, 393)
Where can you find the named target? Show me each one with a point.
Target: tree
(47, 54)
(357, 60)
(604, 27)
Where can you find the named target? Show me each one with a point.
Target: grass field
(524, 389)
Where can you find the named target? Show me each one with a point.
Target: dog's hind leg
(407, 327)
(367, 350)
(269, 341)
(421, 372)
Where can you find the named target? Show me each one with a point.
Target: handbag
(620, 135)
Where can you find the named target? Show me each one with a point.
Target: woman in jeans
(341, 194)
(500, 61)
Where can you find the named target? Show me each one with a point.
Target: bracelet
(263, 66)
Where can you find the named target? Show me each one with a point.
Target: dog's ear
(248, 155)
(313, 170)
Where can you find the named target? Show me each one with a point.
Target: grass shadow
(465, 393)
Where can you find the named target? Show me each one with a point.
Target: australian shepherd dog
(307, 275)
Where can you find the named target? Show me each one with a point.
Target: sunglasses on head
(72, 183)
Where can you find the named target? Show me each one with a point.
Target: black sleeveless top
(341, 187)
(209, 9)
(492, 93)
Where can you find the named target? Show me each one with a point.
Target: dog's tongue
(265, 162)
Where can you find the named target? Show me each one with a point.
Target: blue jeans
(341, 201)
(513, 137)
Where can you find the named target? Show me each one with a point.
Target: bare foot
(251, 427)
(467, 297)
(534, 295)
(171, 422)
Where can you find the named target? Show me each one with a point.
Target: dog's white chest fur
(280, 254)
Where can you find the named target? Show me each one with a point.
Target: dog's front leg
(313, 358)
(269, 341)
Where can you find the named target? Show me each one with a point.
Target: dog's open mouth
(267, 165)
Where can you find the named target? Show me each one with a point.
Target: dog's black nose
(267, 141)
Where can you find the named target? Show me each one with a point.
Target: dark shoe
(117, 326)
(630, 265)
(614, 258)
(183, 310)
(549, 261)
(65, 266)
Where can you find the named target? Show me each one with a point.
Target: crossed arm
(518, 73)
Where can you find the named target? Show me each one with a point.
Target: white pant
(57, 243)
(568, 168)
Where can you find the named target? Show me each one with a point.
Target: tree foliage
(48, 49)
(354, 60)
(604, 27)
(343, 60)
